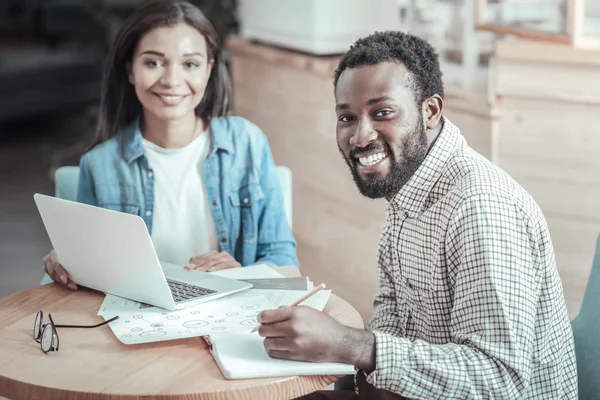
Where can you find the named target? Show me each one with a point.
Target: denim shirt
(240, 177)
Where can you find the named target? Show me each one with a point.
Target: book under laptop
(112, 252)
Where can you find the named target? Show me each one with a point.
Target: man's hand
(213, 261)
(305, 334)
(57, 271)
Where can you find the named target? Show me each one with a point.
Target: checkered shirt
(470, 303)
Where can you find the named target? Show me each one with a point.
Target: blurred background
(521, 84)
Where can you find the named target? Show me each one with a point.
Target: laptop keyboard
(184, 291)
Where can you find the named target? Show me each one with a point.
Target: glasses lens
(37, 325)
(47, 336)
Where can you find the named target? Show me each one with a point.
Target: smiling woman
(176, 41)
(169, 71)
(204, 182)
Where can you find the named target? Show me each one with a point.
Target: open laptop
(112, 252)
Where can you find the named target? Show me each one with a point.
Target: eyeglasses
(46, 335)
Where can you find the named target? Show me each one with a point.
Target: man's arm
(492, 262)
(302, 333)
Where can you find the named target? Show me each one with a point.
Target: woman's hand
(213, 261)
(57, 272)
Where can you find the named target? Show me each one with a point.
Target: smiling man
(470, 304)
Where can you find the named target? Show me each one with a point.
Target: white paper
(140, 323)
(154, 324)
(318, 300)
(114, 305)
(242, 355)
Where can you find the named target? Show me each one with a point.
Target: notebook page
(241, 355)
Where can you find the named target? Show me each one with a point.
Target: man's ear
(433, 111)
(130, 73)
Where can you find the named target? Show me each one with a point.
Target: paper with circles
(140, 323)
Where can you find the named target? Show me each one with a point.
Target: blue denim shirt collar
(221, 137)
(133, 148)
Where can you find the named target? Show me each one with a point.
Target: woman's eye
(190, 64)
(345, 118)
(153, 63)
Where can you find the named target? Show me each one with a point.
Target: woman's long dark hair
(119, 105)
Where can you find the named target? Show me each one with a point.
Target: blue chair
(65, 187)
(66, 180)
(285, 181)
(586, 330)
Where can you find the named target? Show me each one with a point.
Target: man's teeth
(372, 160)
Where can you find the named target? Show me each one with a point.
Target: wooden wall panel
(551, 81)
(551, 148)
(476, 129)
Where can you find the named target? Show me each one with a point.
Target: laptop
(112, 252)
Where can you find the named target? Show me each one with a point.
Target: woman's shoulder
(107, 149)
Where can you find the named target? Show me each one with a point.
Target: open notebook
(241, 355)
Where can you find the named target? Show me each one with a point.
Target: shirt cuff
(390, 353)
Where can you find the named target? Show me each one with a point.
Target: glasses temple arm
(86, 326)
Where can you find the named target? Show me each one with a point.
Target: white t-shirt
(183, 225)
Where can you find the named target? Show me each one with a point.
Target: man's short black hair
(419, 57)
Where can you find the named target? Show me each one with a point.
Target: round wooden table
(94, 364)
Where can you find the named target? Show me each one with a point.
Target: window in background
(450, 26)
(571, 22)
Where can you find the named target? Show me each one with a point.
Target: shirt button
(150, 174)
(207, 165)
(215, 203)
(224, 240)
(148, 213)
(245, 200)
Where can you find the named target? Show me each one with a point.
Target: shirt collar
(412, 196)
(221, 138)
(221, 135)
(132, 141)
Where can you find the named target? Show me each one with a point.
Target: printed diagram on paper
(139, 323)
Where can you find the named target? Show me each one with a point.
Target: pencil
(300, 300)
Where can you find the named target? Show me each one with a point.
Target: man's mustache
(357, 151)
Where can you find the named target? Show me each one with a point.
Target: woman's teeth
(170, 97)
(372, 160)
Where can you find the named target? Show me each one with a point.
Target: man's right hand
(57, 272)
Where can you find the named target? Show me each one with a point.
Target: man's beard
(413, 150)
